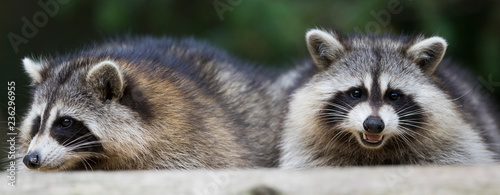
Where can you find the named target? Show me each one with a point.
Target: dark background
(270, 33)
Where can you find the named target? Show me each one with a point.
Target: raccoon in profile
(378, 100)
(151, 103)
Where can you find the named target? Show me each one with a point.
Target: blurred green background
(270, 33)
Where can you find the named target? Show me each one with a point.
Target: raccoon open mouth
(371, 140)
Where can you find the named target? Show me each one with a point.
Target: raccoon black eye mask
(152, 103)
(385, 100)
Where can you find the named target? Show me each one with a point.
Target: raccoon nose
(373, 125)
(32, 160)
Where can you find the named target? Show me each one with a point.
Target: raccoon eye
(394, 96)
(356, 93)
(66, 122)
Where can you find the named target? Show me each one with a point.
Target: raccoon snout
(32, 160)
(373, 125)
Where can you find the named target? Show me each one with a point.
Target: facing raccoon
(146, 103)
(384, 100)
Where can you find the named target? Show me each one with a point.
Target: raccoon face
(65, 127)
(371, 110)
(65, 143)
(371, 90)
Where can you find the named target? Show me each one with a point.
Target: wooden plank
(354, 180)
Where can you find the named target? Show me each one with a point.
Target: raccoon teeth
(372, 137)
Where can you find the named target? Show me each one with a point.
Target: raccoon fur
(152, 103)
(377, 100)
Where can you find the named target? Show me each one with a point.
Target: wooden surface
(356, 180)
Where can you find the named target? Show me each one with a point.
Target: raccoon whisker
(333, 117)
(405, 114)
(75, 142)
(456, 99)
(88, 163)
(333, 114)
(79, 140)
(409, 114)
(406, 122)
(85, 163)
(69, 138)
(402, 135)
(331, 142)
(417, 151)
(342, 107)
(399, 148)
(84, 145)
(333, 121)
(333, 139)
(351, 137)
(81, 147)
(407, 136)
(85, 160)
(414, 136)
(94, 154)
(65, 144)
(89, 159)
(346, 104)
(416, 126)
(405, 107)
(405, 139)
(413, 125)
(411, 122)
(413, 133)
(339, 135)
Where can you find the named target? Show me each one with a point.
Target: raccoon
(378, 100)
(152, 103)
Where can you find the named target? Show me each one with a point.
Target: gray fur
(155, 104)
(321, 130)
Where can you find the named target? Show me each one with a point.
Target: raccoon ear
(428, 53)
(324, 48)
(34, 69)
(107, 79)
